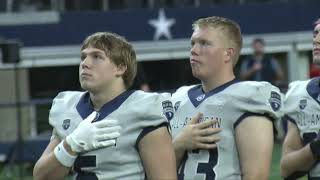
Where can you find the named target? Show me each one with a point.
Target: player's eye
(192, 43)
(97, 57)
(315, 33)
(83, 57)
(204, 43)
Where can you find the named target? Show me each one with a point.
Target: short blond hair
(317, 22)
(118, 49)
(228, 28)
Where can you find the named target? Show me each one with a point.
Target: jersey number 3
(199, 165)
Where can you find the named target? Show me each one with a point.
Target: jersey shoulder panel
(181, 92)
(296, 90)
(152, 108)
(296, 87)
(63, 104)
(257, 97)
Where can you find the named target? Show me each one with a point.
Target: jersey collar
(313, 89)
(85, 108)
(197, 95)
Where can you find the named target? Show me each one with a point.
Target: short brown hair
(258, 40)
(118, 49)
(229, 28)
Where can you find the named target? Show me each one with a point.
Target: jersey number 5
(85, 162)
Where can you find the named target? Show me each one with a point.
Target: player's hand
(93, 135)
(197, 135)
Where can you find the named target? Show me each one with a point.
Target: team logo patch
(201, 97)
(275, 101)
(168, 109)
(66, 124)
(302, 104)
(176, 105)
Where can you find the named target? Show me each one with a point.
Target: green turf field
(275, 167)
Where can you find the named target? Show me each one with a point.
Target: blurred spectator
(33, 5)
(260, 67)
(141, 81)
(28, 6)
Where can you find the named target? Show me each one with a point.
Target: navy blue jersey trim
(182, 166)
(86, 176)
(288, 118)
(85, 161)
(85, 108)
(197, 95)
(313, 89)
(247, 114)
(147, 130)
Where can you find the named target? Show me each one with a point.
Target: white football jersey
(229, 104)
(138, 113)
(302, 107)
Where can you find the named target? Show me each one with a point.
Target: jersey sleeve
(157, 110)
(291, 101)
(260, 98)
(54, 113)
(61, 105)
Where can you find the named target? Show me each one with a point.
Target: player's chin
(316, 59)
(85, 86)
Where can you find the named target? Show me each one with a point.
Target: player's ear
(121, 69)
(229, 54)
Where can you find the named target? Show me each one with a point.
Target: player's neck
(98, 99)
(210, 84)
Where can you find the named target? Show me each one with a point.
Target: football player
(108, 131)
(301, 147)
(231, 137)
